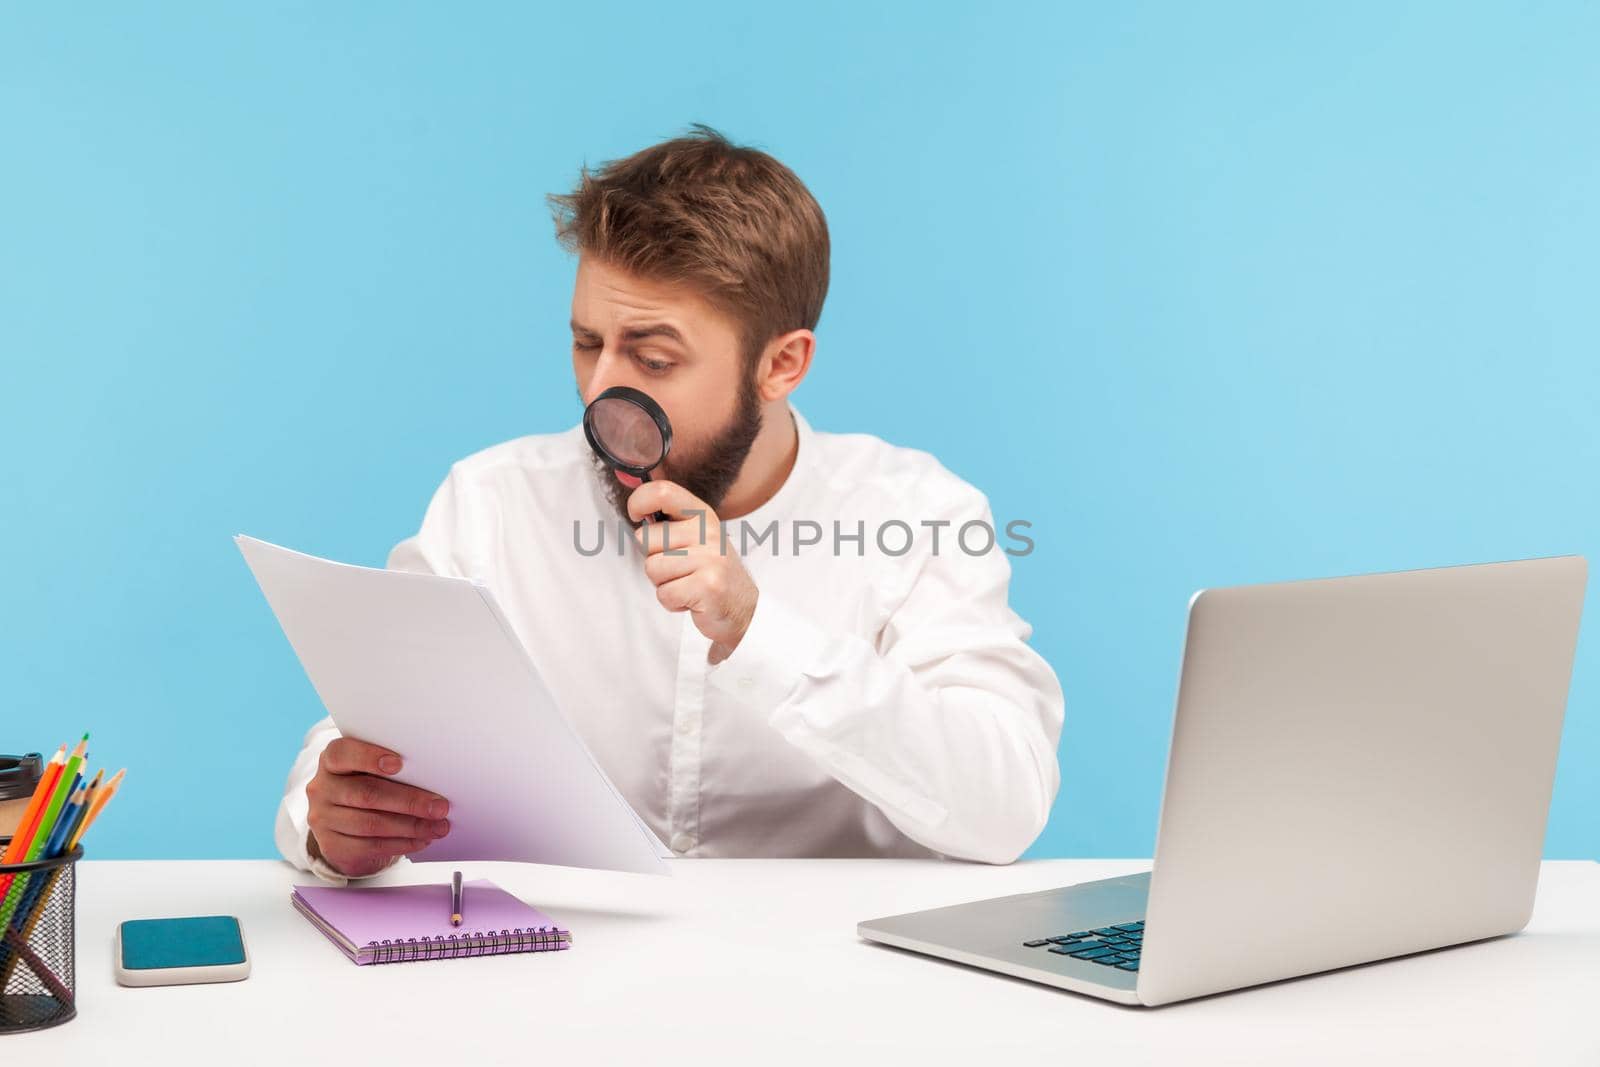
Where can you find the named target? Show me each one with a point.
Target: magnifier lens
(628, 430)
(627, 433)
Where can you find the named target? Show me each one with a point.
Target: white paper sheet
(429, 667)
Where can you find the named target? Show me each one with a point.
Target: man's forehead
(636, 308)
(633, 291)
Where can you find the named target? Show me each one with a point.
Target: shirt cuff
(298, 845)
(771, 658)
(319, 866)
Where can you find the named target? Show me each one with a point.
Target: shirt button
(683, 727)
(682, 842)
(746, 683)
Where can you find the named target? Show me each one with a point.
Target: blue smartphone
(184, 951)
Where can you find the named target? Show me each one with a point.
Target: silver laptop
(1360, 768)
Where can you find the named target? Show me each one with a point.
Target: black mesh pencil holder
(38, 950)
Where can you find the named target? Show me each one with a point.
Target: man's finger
(675, 538)
(369, 850)
(379, 794)
(346, 755)
(680, 594)
(669, 497)
(364, 822)
(662, 567)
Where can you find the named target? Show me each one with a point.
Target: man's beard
(711, 473)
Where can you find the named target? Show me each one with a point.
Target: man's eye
(654, 366)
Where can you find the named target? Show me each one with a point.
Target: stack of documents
(429, 667)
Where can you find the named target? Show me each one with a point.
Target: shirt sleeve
(454, 529)
(438, 547)
(948, 722)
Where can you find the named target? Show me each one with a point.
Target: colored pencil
(47, 833)
(69, 817)
(52, 811)
(99, 805)
(70, 841)
(18, 848)
(18, 845)
(41, 831)
(30, 815)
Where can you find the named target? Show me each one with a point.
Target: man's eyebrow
(654, 329)
(635, 333)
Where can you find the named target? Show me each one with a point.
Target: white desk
(757, 961)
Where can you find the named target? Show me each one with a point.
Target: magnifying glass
(629, 432)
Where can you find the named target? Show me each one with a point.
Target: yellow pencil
(99, 805)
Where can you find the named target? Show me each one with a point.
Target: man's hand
(359, 819)
(692, 569)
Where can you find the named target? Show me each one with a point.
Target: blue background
(1208, 293)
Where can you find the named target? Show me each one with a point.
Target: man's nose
(609, 369)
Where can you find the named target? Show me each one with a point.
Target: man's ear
(784, 364)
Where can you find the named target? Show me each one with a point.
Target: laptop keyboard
(1112, 946)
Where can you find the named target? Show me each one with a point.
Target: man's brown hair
(730, 222)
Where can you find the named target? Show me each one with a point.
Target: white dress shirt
(884, 701)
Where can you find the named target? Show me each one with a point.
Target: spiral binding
(477, 943)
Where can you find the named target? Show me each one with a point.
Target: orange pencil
(97, 807)
(30, 815)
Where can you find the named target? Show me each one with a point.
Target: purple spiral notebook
(393, 924)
